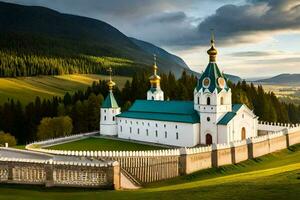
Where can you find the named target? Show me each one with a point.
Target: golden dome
(212, 52)
(111, 84)
(154, 79)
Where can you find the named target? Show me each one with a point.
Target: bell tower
(109, 110)
(155, 93)
(212, 97)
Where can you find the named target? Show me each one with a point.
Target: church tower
(212, 98)
(109, 110)
(155, 93)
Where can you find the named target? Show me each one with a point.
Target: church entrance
(208, 139)
(243, 133)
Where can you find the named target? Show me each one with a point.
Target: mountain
(291, 79)
(163, 54)
(28, 30)
(39, 41)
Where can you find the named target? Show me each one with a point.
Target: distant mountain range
(291, 79)
(45, 32)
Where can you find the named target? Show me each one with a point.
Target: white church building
(210, 118)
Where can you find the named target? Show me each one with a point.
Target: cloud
(254, 53)
(257, 18)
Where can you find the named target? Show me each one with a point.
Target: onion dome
(155, 79)
(110, 83)
(212, 52)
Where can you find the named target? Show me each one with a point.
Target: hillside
(26, 89)
(274, 176)
(291, 79)
(34, 38)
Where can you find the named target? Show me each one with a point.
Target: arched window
(104, 118)
(208, 101)
(243, 133)
(222, 101)
(208, 139)
(152, 97)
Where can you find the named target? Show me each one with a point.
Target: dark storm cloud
(259, 16)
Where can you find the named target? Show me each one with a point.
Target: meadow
(274, 176)
(26, 89)
(285, 93)
(101, 144)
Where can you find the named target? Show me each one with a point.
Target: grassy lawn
(26, 89)
(100, 144)
(275, 176)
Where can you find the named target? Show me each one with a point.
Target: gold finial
(110, 83)
(154, 64)
(212, 52)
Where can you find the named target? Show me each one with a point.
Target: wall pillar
(183, 161)
(49, 175)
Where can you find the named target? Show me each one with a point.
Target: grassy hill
(274, 176)
(26, 89)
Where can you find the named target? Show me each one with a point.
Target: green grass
(26, 89)
(275, 176)
(101, 144)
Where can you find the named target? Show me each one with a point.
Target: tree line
(83, 107)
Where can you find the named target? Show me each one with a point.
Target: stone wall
(53, 173)
(150, 166)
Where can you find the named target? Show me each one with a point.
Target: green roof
(230, 115)
(110, 101)
(175, 111)
(213, 73)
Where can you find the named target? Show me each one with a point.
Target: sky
(254, 38)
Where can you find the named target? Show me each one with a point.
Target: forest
(83, 107)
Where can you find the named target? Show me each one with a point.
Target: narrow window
(130, 129)
(104, 118)
(152, 98)
(113, 118)
(198, 100)
(138, 131)
(156, 125)
(208, 101)
(176, 126)
(222, 101)
(121, 128)
(177, 136)
(166, 134)
(156, 134)
(147, 132)
(165, 125)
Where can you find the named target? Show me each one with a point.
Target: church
(210, 119)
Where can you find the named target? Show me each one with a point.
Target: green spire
(212, 78)
(110, 101)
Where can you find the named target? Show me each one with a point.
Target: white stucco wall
(244, 118)
(188, 134)
(108, 121)
(157, 95)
